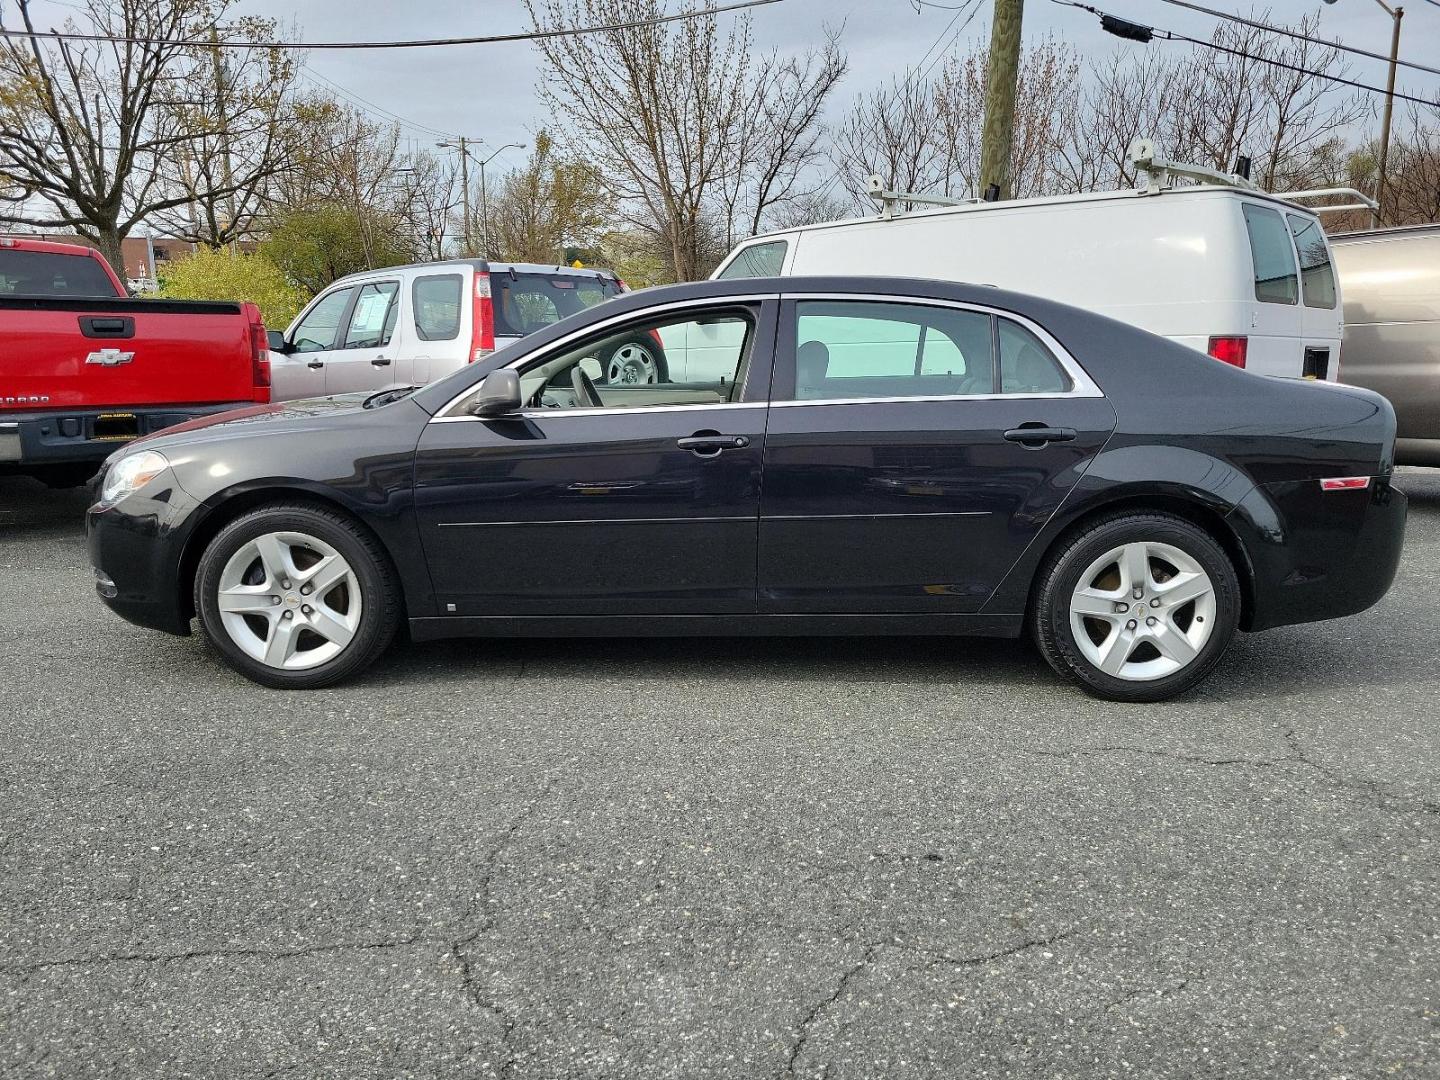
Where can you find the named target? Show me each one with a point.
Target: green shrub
(225, 275)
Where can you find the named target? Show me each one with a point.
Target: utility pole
(223, 115)
(459, 144)
(1396, 14)
(1002, 71)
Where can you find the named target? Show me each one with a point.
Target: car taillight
(655, 336)
(1229, 350)
(482, 322)
(259, 352)
(1345, 483)
(621, 286)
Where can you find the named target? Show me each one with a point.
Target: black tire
(1050, 623)
(651, 347)
(380, 595)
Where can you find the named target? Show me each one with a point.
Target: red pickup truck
(85, 367)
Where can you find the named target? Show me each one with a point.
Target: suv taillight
(259, 352)
(482, 322)
(1229, 350)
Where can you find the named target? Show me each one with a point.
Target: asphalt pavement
(712, 858)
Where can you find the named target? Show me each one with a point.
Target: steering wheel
(586, 396)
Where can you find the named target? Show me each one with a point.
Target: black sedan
(830, 456)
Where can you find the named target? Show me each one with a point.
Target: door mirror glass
(499, 394)
(277, 342)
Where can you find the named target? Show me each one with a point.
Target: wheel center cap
(1139, 609)
(292, 600)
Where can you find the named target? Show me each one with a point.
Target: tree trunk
(107, 239)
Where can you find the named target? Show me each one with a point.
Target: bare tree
(91, 132)
(551, 204)
(672, 116)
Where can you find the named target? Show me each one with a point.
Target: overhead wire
(417, 43)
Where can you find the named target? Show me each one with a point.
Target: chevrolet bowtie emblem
(109, 357)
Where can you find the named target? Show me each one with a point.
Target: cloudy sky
(488, 91)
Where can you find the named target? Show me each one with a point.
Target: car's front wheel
(296, 597)
(1137, 607)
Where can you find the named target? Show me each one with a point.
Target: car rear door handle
(381, 361)
(1035, 436)
(709, 445)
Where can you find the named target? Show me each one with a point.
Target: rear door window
(1317, 276)
(436, 299)
(757, 260)
(525, 302)
(48, 273)
(1271, 256)
(373, 320)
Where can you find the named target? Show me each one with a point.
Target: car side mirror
(499, 394)
(277, 343)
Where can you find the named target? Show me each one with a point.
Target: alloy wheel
(1142, 611)
(289, 600)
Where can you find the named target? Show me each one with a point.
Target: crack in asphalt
(935, 957)
(484, 901)
(1383, 799)
(210, 954)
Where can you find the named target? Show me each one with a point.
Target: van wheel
(1138, 607)
(635, 361)
(296, 597)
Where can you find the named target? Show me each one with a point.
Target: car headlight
(130, 474)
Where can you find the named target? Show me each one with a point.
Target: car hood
(253, 420)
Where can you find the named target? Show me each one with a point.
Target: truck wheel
(1137, 607)
(296, 597)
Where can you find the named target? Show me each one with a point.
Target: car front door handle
(315, 364)
(709, 445)
(381, 361)
(1035, 436)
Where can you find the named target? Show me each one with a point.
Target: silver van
(1390, 286)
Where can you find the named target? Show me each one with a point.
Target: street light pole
(485, 200)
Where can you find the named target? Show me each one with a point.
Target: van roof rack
(1159, 172)
(889, 201)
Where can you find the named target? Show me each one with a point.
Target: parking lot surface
(712, 858)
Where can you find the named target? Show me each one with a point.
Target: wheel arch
(236, 504)
(1203, 514)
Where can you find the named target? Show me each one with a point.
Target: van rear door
(1321, 321)
(1276, 316)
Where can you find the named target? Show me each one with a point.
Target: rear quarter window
(436, 299)
(757, 260)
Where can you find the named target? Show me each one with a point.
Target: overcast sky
(488, 91)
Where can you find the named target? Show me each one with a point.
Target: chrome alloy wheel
(1142, 611)
(289, 600)
(632, 364)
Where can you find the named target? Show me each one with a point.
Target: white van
(1220, 267)
(409, 325)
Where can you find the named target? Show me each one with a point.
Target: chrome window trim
(560, 344)
(1082, 385)
(611, 410)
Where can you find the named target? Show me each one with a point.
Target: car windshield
(526, 302)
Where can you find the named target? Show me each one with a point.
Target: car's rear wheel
(636, 361)
(296, 597)
(1138, 607)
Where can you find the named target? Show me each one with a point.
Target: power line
(379, 111)
(1142, 33)
(1303, 37)
(421, 43)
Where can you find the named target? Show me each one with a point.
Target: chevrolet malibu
(875, 456)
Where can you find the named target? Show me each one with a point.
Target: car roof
(485, 265)
(1397, 232)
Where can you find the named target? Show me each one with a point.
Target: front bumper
(1319, 555)
(136, 549)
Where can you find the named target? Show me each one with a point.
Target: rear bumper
(1319, 555)
(66, 436)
